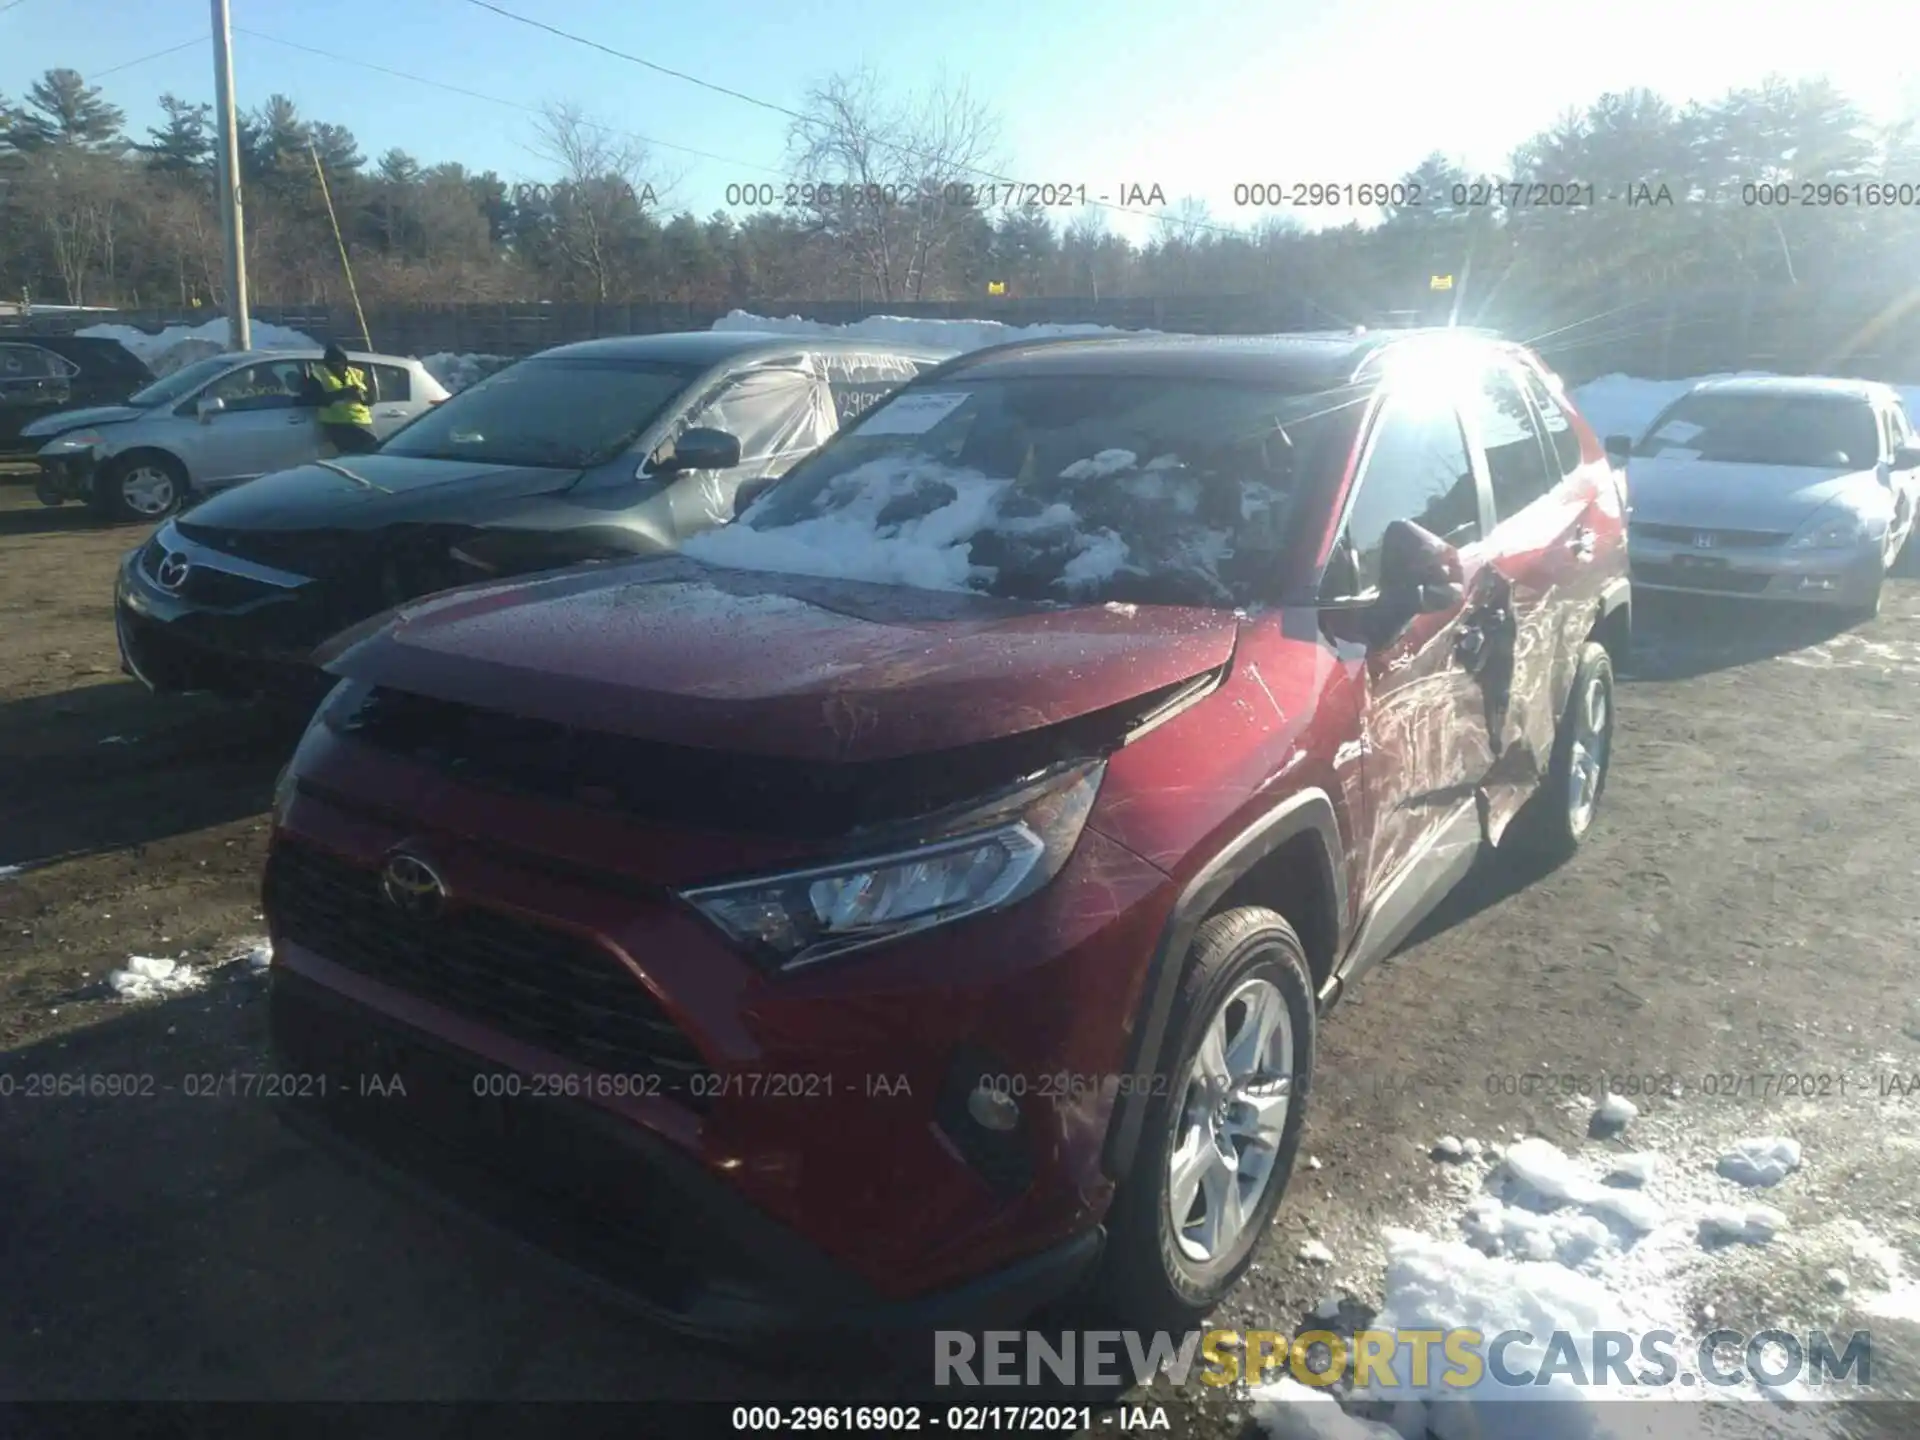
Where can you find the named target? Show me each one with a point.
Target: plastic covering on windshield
(782, 415)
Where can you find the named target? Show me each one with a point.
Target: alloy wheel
(1592, 737)
(147, 490)
(1231, 1117)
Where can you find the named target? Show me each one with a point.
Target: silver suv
(209, 425)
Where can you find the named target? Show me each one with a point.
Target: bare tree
(601, 196)
(77, 197)
(892, 180)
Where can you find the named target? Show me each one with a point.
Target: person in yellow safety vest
(346, 417)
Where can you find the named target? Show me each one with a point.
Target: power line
(11, 5)
(129, 64)
(796, 115)
(494, 99)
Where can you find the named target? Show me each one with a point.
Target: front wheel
(139, 487)
(1221, 1135)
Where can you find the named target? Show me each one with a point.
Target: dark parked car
(918, 898)
(41, 375)
(609, 448)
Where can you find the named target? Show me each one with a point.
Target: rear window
(560, 413)
(1151, 490)
(1816, 431)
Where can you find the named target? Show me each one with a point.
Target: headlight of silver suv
(983, 858)
(1841, 530)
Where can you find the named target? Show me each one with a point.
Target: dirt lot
(1748, 908)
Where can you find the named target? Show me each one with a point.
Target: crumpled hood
(47, 427)
(324, 496)
(1715, 494)
(776, 665)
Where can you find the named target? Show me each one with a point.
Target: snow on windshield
(1106, 526)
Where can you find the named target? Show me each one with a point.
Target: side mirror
(1907, 457)
(209, 406)
(700, 448)
(1419, 575)
(1619, 449)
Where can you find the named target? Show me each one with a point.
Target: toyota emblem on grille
(1703, 540)
(413, 886)
(173, 571)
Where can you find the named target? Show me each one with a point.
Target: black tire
(1552, 826)
(111, 487)
(1147, 1279)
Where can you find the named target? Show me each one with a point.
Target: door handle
(1581, 544)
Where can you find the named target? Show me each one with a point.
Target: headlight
(987, 857)
(1833, 532)
(68, 444)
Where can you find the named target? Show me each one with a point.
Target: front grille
(1686, 535)
(219, 588)
(535, 983)
(1702, 577)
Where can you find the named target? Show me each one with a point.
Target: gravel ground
(1746, 909)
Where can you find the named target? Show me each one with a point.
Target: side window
(773, 412)
(391, 383)
(1416, 468)
(1889, 439)
(1566, 444)
(30, 362)
(1902, 430)
(271, 385)
(1516, 459)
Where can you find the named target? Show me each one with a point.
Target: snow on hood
(903, 330)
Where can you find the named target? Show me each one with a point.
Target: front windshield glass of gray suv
(1151, 490)
(181, 383)
(1806, 430)
(559, 413)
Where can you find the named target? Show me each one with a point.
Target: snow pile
(149, 977)
(1289, 1410)
(457, 372)
(179, 345)
(1753, 1224)
(1765, 1160)
(900, 330)
(7, 872)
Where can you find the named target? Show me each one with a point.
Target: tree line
(1784, 183)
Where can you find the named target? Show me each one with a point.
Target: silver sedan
(1798, 489)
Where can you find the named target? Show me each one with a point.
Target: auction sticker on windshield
(914, 414)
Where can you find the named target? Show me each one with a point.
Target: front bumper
(617, 1208)
(64, 477)
(830, 1105)
(218, 631)
(1808, 577)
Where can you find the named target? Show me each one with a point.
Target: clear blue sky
(1194, 95)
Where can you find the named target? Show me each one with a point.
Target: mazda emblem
(1703, 540)
(173, 571)
(412, 886)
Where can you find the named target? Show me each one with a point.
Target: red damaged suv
(916, 901)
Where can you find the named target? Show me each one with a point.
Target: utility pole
(232, 225)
